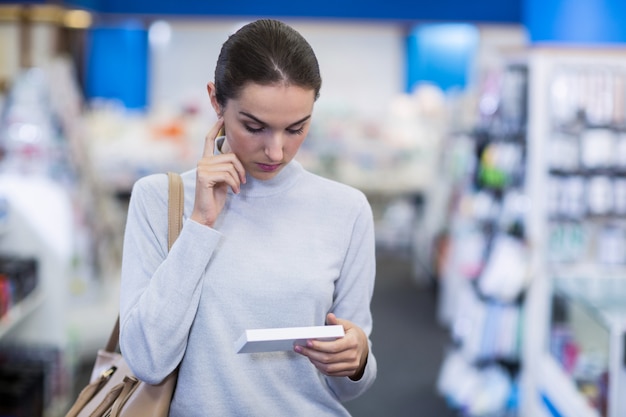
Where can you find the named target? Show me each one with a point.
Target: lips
(268, 167)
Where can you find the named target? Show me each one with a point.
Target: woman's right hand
(214, 175)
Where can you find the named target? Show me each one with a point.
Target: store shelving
(4, 216)
(558, 393)
(586, 337)
(576, 224)
(34, 331)
(20, 311)
(20, 293)
(485, 271)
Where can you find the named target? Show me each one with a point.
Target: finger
(222, 171)
(209, 141)
(230, 180)
(335, 369)
(324, 347)
(233, 161)
(332, 320)
(236, 163)
(343, 364)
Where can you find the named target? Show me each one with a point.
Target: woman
(264, 244)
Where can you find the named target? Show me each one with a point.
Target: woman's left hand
(346, 356)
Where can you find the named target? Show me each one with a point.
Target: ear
(210, 88)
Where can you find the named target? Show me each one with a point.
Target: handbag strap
(175, 206)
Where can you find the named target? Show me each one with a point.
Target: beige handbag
(113, 391)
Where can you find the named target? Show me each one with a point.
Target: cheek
(241, 145)
(293, 146)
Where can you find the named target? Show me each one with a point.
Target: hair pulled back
(265, 52)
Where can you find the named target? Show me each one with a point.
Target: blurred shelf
(20, 311)
(559, 390)
(572, 274)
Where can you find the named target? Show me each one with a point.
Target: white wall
(362, 64)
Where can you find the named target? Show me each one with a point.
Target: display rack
(20, 312)
(575, 223)
(55, 213)
(39, 320)
(485, 271)
(587, 328)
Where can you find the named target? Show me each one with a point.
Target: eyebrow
(256, 119)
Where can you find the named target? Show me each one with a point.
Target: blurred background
(488, 136)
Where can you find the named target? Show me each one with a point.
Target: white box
(276, 339)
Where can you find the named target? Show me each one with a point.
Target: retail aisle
(409, 346)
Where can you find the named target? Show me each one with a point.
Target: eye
(253, 129)
(297, 131)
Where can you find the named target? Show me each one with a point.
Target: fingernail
(298, 348)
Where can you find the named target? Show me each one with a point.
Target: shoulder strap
(175, 207)
(176, 204)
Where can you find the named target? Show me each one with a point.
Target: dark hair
(265, 52)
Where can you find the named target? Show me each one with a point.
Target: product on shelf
(18, 279)
(486, 271)
(586, 165)
(21, 389)
(32, 379)
(580, 342)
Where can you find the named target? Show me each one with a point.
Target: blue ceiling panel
(575, 22)
(442, 10)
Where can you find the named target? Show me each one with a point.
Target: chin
(264, 176)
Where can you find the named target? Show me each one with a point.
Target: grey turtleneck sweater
(283, 253)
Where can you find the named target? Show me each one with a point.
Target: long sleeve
(160, 292)
(353, 294)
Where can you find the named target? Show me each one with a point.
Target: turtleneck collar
(284, 180)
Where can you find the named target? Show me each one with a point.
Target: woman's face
(266, 125)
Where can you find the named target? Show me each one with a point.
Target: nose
(274, 147)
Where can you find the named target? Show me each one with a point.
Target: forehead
(273, 103)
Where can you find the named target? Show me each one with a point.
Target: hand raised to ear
(215, 173)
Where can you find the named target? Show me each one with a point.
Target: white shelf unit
(38, 222)
(20, 311)
(544, 381)
(558, 392)
(40, 226)
(594, 315)
(53, 209)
